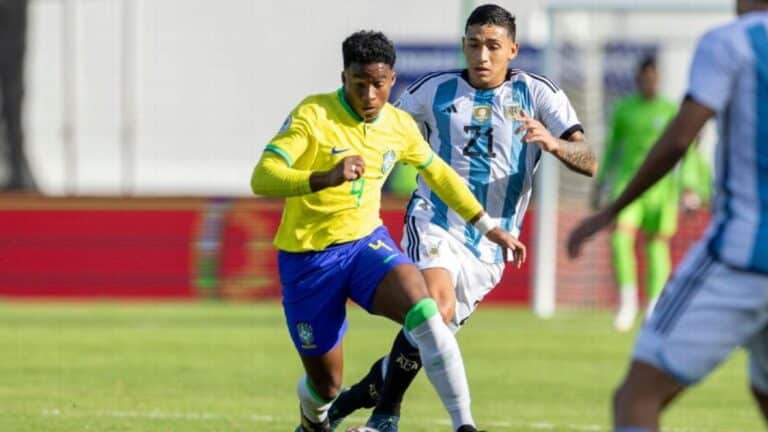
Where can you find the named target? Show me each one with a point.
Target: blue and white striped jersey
(729, 74)
(473, 130)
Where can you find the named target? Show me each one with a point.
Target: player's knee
(447, 310)
(441, 289)
(420, 313)
(446, 301)
(412, 282)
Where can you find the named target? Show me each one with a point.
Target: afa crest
(512, 106)
(481, 113)
(306, 335)
(433, 250)
(389, 161)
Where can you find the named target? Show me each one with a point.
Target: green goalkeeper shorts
(652, 213)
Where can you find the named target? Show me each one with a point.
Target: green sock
(624, 263)
(659, 266)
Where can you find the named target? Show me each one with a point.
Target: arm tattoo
(578, 156)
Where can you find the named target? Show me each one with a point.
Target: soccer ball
(362, 429)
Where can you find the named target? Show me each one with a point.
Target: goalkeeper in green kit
(638, 121)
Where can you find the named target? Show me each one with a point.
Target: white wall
(215, 79)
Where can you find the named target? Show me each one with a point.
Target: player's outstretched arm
(273, 177)
(449, 186)
(575, 152)
(662, 158)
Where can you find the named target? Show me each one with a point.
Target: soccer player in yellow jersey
(330, 160)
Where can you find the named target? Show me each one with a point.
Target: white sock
(442, 362)
(625, 318)
(629, 297)
(314, 408)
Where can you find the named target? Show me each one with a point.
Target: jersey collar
(465, 77)
(350, 111)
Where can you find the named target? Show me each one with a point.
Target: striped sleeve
(713, 70)
(554, 109)
(414, 104)
(417, 152)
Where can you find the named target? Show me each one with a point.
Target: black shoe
(364, 394)
(308, 426)
(383, 423)
(335, 414)
(466, 428)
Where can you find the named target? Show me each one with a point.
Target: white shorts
(430, 246)
(706, 311)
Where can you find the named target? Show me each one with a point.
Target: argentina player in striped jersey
(492, 124)
(330, 161)
(718, 298)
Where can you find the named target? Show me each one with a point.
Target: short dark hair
(646, 63)
(494, 15)
(368, 46)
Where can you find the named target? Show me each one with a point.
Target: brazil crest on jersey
(473, 131)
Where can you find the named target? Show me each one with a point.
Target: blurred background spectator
(13, 41)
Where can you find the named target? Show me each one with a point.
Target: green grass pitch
(231, 367)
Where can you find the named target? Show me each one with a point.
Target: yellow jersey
(320, 132)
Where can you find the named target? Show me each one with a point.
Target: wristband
(485, 224)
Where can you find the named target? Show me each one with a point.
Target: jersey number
(357, 190)
(476, 132)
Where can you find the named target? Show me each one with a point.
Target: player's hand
(586, 229)
(690, 201)
(510, 245)
(348, 169)
(536, 132)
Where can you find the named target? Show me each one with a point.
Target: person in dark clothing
(13, 27)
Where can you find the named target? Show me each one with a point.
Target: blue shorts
(316, 286)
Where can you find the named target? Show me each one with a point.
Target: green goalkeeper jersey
(636, 125)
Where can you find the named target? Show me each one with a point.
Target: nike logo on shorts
(335, 151)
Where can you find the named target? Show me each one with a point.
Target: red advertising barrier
(248, 267)
(158, 249)
(109, 253)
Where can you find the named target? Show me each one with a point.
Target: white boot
(625, 318)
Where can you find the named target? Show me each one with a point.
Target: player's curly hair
(494, 15)
(368, 46)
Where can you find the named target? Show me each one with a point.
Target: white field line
(260, 418)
